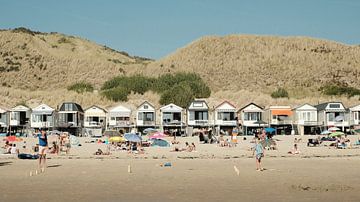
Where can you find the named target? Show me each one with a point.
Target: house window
(140, 115)
(201, 115)
(146, 106)
(252, 116)
(68, 107)
(191, 115)
(226, 116)
(0, 116)
(356, 116)
(112, 118)
(334, 105)
(149, 116)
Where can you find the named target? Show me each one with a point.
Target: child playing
(259, 151)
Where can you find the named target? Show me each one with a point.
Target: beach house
(280, 118)
(305, 119)
(146, 116)
(43, 117)
(354, 117)
(119, 119)
(198, 114)
(171, 119)
(19, 119)
(71, 118)
(95, 121)
(225, 119)
(333, 114)
(4, 119)
(251, 118)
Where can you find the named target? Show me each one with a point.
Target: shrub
(116, 94)
(280, 93)
(81, 87)
(63, 40)
(339, 89)
(181, 94)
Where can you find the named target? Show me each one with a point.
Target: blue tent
(132, 137)
(270, 130)
(159, 143)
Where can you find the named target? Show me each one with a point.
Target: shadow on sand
(7, 163)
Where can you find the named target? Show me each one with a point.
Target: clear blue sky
(155, 28)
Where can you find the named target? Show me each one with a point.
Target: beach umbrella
(117, 139)
(111, 133)
(74, 140)
(336, 134)
(132, 137)
(339, 118)
(325, 132)
(149, 130)
(157, 135)
(357, 130)
(270, 130)
(159, 143)
(333, 129)
(13, 139)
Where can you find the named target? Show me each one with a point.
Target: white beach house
(354, 117)
(43, 116)
(333, 114)
(280, 118)
(225, 119)
(172, 119)
(251, 118)
(95, 120)
(198, 114)
(19, 119)
(305, 119)
(71, 118)
(119, 119)
(146, 116)
(4, 119)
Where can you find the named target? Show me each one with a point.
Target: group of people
(10, 148)
(188, 148)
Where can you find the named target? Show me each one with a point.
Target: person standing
(259, 153)
(43, 146)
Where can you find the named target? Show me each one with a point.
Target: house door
(22, 118)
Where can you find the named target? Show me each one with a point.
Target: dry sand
(206, 175)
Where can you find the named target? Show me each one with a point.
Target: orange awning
(287, 112)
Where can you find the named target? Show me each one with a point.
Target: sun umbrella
(339, 118)
(333, 129)
(117, 139)
(13, 139)
(357, 130)
(150, 130)
(157, 135)
(111, 133)
(159, 143)
(270, 130)
(325, 132)
(132, 137)
(74, 140)
(336, 134)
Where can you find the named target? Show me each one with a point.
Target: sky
(156, 28)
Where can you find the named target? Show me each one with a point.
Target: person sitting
(221, 141)
(295, 150)
(100, 152)
(193, 147)
(54, 149)
(14, 150)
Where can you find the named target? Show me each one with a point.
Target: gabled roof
(119, 108)
(251, 103)
(355, 108)
(20, 108)
(43, 108)
(75, 107)
(3, 110)
(303, 106)
(322, 106)
(224, 103)
(91, 107)
(199, 104)
(146, 103)
(171, 108)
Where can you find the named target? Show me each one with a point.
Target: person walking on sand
(259, 153)
(43, 145)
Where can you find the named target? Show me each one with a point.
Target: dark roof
(322, 106)
(251, 103)
(75, 107)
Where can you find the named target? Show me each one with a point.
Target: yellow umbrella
(117, 139)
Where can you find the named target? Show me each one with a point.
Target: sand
(318, 174)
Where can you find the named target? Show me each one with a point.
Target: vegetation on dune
(81, 87)
(280, 93)
(179, 88)
(338, 89)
